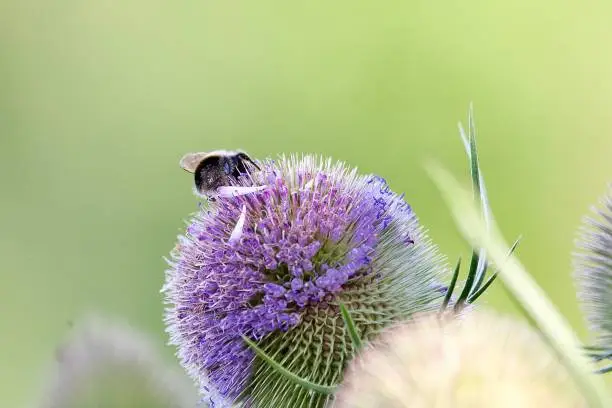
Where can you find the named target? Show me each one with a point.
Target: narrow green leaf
(603, 356)
(481, 272)
(350, 325)
(482, 192)
(594, 348)
(523, 288)
(482, 289)
(604, 370)
(489, 281)
(473, 154)
(477, 177)
(322, 389)
(478, 264)
(451, 287)
(467, 288)
(514, 245)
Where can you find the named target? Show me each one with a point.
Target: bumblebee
(217, 168)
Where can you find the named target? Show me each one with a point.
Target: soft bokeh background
(99, 99)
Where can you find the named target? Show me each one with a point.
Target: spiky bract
(593, 270)
(481, 360)
(273, 264)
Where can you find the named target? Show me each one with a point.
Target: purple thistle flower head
(273, 256)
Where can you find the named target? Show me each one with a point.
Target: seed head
(271, 258)
(479, 361)
(106, 363)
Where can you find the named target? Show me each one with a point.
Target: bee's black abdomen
(208, 175)
(219, 170)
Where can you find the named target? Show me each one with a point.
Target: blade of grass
(523, 288)
(321, 389)
(451, 287)
(350, 325)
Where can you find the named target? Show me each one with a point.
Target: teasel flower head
(593, 270)
(104, 362)
(272, 257)
(480, 360)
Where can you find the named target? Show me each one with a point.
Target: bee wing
(190, 161)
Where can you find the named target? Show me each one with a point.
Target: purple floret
(313, 229)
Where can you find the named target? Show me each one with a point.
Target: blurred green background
(99, 100)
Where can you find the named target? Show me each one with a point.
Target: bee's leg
(244, 159)
(254, 164)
